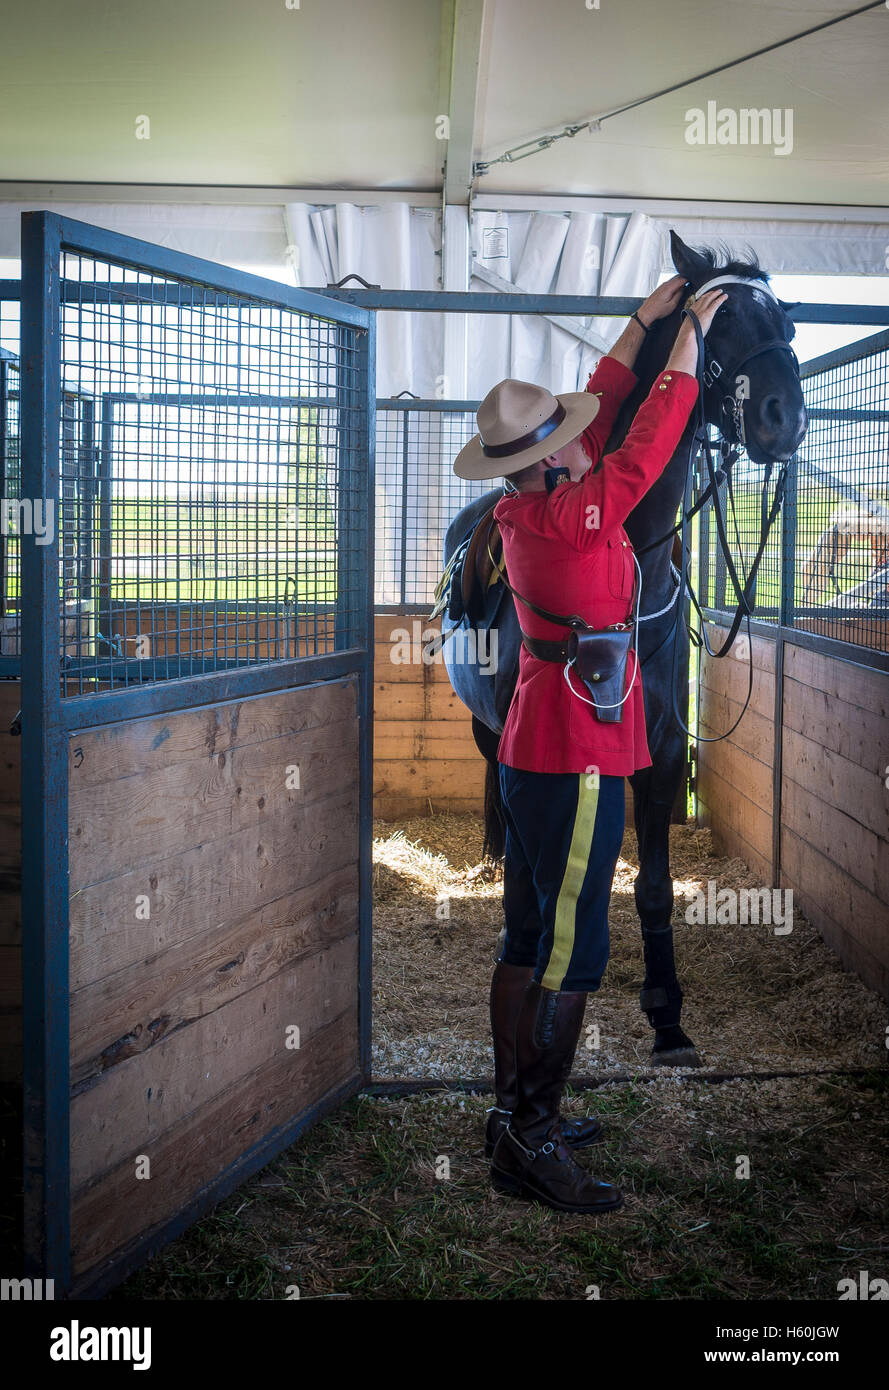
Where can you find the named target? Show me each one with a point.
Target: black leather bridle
(732, 404)
(709, 372)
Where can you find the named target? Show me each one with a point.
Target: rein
(701, 442)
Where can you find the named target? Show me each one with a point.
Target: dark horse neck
(656, 513)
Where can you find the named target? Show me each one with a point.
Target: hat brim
(581, 409)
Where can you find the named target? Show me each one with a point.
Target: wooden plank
(729, 804)
(402, 738)
(754, 734)
(135, 1009)
(442, 703)
(852, 955)
(737, 768)
(729, 679)
(763, 651)
(821, 886)
(128, 748)
(11, 1048)
(399, 652)
(10, 979)
(858, 791)
(728, 841)
(10, 824)
(397, 805)
(856, 685)
(113, 1211)
(10, 909)
(848, 844)
(855, 733)
(188, 893)
(134, 1103)
(141, 818)
(399, 700)
(10, 756)
(438, 780)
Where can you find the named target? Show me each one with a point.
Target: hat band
(515, 446)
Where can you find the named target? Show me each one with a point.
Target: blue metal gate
(197, 458)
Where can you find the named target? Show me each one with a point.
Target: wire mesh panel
(417, 494)
(744, 502)
(832, 553)
(10, 316)
(10, 496)
(842, 498)
(207, 485)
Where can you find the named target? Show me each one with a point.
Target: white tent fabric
(554, 253)
(393, 245)
(251, 236)
(792, 246)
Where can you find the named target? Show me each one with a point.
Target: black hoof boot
(674, 1048)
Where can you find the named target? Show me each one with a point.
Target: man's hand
(662, 301)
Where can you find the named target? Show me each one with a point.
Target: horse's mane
(722, 262)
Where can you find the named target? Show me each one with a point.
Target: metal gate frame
(49, 720)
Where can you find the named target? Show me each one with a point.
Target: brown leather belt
(547, 651)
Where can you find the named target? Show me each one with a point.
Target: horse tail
(495, 826)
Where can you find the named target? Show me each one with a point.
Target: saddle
(469, 589)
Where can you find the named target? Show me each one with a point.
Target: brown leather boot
(531, 1158)
(508, 986)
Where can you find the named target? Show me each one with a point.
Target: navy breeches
(563, 837)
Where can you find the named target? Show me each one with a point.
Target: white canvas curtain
(394, 246)
(533, 252)
(529, 252)
(554, 253)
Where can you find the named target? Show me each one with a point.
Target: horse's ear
(689, 263)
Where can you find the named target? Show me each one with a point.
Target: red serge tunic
(568, 552)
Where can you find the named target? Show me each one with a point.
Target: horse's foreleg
(486, 741)
(661, 995)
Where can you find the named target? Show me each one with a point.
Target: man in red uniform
(561, 766)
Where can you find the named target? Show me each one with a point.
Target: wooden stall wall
(424, 753)
(833, 836)
(835, 805)
(214, 888)
(10, 886)
(734, 777)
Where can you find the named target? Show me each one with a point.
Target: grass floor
(389, 1198)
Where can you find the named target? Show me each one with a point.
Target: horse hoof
(676, 1057)
(674, 1048)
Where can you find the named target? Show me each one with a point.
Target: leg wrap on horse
(660, 998)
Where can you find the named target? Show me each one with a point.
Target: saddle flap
(478, 565)
(470, 573)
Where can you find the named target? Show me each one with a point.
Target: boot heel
(504, 1183)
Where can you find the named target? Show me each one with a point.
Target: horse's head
(752, 388)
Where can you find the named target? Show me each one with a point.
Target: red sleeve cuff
(675, 385)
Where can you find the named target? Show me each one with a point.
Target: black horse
(761, 408)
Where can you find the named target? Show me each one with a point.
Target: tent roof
(344, 95)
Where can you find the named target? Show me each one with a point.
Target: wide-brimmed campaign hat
(519, 424)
